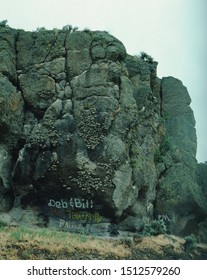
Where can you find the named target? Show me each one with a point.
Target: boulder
(38, 90)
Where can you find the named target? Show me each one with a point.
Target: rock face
(201, 173)
(91, 138)
(179, 196)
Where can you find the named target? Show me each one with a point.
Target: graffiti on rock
(73, 213)
(85, 217)
(164, 218)
(73, 203)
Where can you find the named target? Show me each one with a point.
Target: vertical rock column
(11, 114)
(179, 198)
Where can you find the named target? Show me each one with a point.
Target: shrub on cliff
(146, 57)
(190, 242)
(4, 23)
(155, 227)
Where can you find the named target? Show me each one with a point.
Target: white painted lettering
(83, 203)
(64, 204)
(58, 204)
(78, 203)
(87, 204)
(51, 203)
(62, 223)
(71, 202)
(164, 217)
(91, 203)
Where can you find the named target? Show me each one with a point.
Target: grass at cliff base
(21, 243)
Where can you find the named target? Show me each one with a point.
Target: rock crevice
(85, 127)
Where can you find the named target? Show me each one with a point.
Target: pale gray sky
(173, 32)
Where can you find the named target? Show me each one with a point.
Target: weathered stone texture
(8, 53)
(91, 136)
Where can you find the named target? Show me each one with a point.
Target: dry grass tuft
(23, 243)
(44, 244)
(160, 242)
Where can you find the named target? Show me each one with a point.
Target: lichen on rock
(87, 128)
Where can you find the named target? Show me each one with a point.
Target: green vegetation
(21, 243)
(165, 146)
(127, 240)
(190, 242)
(36, 243)
(40, 29)
(155, 227)
(2, 225)
(169, 197)
(75, 28)
(87, 30)
(4, 23)
(146, 57)
(70, 28)
(67, 27)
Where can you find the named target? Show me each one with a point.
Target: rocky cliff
(91, 139)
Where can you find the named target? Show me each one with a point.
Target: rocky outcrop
(201, 173)
(179, 195)
(91, 139)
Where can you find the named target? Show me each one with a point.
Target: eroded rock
(91, 139)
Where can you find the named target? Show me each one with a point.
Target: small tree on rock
(146, 57)
(4, 23)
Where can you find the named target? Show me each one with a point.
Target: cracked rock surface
(86, 127)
